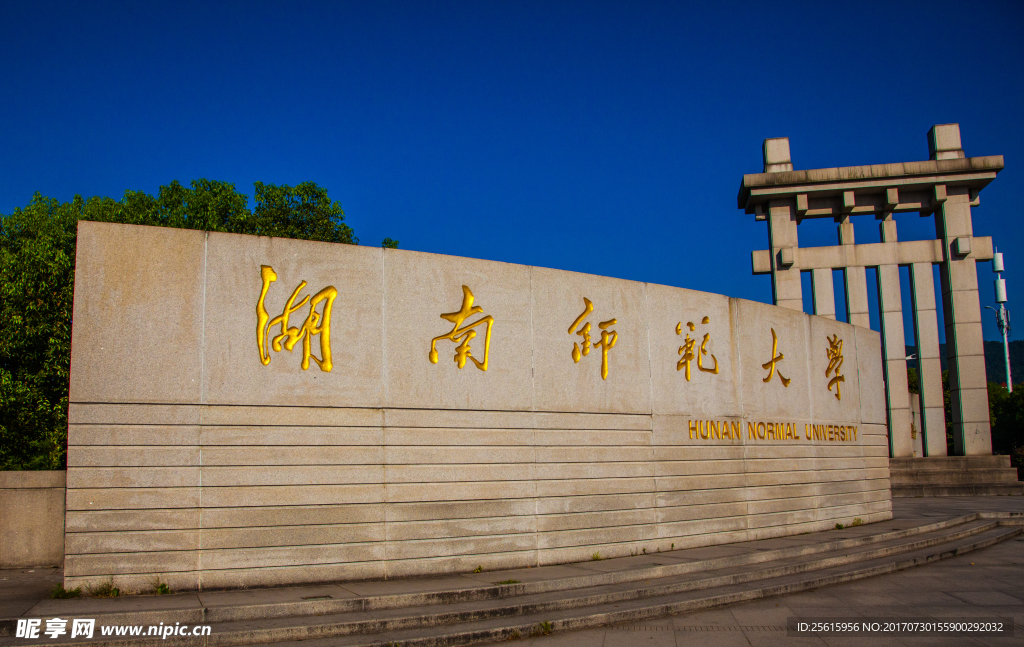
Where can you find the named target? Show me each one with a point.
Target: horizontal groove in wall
(455, 508)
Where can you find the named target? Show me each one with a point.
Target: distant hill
(995, 366)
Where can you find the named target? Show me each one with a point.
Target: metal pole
(1006, 347)
(1002, 315)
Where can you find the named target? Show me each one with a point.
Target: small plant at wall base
(61, 593)
(160, 588)
(105, 590)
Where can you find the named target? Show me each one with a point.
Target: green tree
(1006, 412)
(302, 212)
(37, 261)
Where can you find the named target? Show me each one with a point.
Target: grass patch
(508, 582)
(105, 590)
(596, 557)
(61, 593)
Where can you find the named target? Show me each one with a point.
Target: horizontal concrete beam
(974, 172)
(903, 252)
(880, 203)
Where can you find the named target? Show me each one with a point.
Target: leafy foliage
(37, 265)
(61, 593)
(912, 383)
(105, 590)
(1006, 411)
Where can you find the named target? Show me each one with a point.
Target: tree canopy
(37, 265)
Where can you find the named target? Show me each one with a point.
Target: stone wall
(209, 459)
(31, 519)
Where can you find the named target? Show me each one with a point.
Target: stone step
(285, 602)
(612, 611)
(535, 624)
(1007, 489)
(462, 616)
(951, 477)
(949, 462)
(931, 532)
(954, 476)
(291, 629)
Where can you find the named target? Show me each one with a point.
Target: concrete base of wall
(954, 476)
(32, 514)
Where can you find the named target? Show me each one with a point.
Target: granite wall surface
(31, 519)
(200, 454)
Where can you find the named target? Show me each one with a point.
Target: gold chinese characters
(608, 337)
(286, 330)
(776, 358)
(465, 333)
(316, 323)
(835, 362)
(686, 350)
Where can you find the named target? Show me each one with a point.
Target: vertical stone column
(782, 237)
(783, 242)
(965, 348)
(894, 355)
(856, 281)
(887, 228)
(824, 293)
(929, 364)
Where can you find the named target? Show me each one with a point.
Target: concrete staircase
(489, 607)
(954, 476)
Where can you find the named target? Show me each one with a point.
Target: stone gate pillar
(894, 360)
(782, 236)
(929, 364)
(965, 348)
(944, 187)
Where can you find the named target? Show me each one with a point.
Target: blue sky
(600, 137)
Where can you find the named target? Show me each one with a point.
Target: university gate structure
(253, 411)
(944, 187)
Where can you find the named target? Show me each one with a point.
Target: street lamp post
(1002, 314)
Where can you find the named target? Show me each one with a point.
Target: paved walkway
(986, 583)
